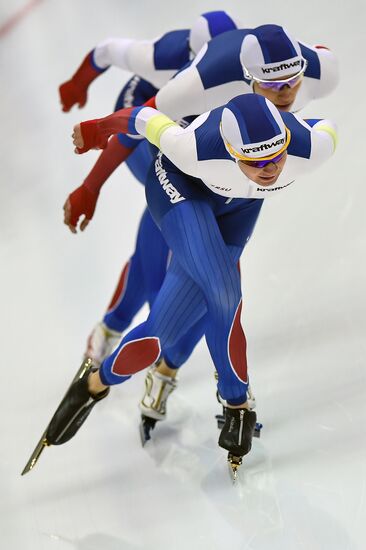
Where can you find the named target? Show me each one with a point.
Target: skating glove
(94, 134)
(75, 90)
(81, 202)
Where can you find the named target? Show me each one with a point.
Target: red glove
(75, 90)
(94, 134)
(81, 202)
(71, 93)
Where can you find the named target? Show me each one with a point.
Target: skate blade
(146, 425)
(86, 365)
(234, 463)
(42, 443)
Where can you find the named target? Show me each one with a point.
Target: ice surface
(303, 485)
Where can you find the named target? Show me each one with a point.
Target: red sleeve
(151, 103)
(111, 157)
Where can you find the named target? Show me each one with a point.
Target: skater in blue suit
(205, 191)
(251, 57)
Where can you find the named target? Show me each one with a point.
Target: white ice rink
(303, 485)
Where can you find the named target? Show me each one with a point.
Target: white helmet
(207, 26)
(252, 128)
(269, 52)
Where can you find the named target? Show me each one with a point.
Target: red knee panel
(237, 347)
(136, 355)
(121, 288)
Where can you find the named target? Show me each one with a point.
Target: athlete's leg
(236, 228)
(154, 256)
(203, 277)
(174, 309)
(243, 218)
(204, 255)
(142, 276)
(179, 354)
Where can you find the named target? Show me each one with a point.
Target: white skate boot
(158, 387)
(101, 343)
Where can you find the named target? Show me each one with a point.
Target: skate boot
(220, 418)
(236, 435)
(101, 343)
(70, 414)
(158, 387)
(73, 410)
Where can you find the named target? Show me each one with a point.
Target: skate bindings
(72, 412)
(236, 436)
(101, 343)
(158, 387)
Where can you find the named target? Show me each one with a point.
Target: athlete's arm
(136, 56)
(82, 201)
(329, 70)
(74, 91)
(183, 95)
(322, 71)
(177, 143)
(324, 140)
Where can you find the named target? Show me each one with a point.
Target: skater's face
(263, 176)
(284, 97)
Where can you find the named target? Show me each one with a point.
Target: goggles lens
(278, 84)
(263, 163)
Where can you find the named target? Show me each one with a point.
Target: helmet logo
(263, 146)
(282, 67)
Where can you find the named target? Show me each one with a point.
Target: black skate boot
(220, 418)
(236, 435)
(73, 410)
(70, 414)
